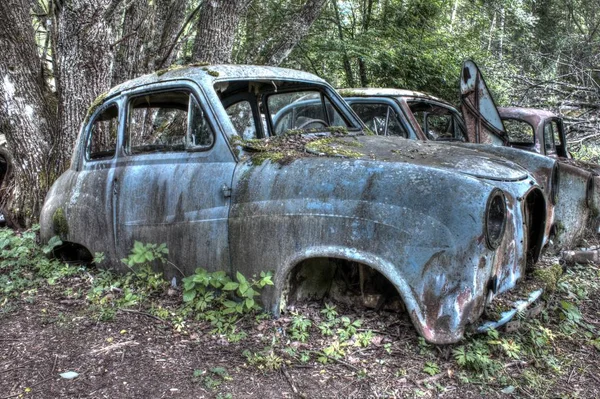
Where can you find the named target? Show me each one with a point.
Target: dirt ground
(137, 356)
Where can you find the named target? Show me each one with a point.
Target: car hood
(438, 155)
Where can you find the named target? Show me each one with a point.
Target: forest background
(57, 56)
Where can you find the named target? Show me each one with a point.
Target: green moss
(350, 93)
(61, 226)
(199, 64)
(259, 158)
(331, 146)
(549, 277)
(337, 130)
(94, 106)
(211, 72)
(369, 132)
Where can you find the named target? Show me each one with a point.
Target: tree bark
(291, 31)
(27, 115)
(215, 30)
(84, 55)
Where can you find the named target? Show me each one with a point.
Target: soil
(138, 356)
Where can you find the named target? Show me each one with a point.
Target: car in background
(420, 116)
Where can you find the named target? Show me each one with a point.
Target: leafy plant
(329, 312)
(299, 327)
(431, 368)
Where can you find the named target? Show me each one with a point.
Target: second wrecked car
(190, 157)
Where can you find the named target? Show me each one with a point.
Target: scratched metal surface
(566, 220)
(412, 211)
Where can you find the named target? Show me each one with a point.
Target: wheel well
(72, 252)
(535, 218)
(340, 280)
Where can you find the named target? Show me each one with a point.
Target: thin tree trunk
(27, 115)
(362, 68)
(345, 59)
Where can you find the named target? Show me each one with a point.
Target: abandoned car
(189, 157)
(420, 116)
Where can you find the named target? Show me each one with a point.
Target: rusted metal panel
(418, 213)
(479, 110)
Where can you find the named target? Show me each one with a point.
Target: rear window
(102, 141)
(519, 132)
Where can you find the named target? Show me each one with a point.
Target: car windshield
(259, 109)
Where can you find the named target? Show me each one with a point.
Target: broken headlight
(495, 219)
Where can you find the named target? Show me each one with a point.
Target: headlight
(554, 181)
(495, 219)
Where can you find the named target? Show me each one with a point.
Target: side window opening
(102, 141)
(166, 122)
(242, 119)
(437, 122)
(549, 137)
(519, 132)
(556, 131)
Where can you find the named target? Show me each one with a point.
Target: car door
(478, 108)
(173, 179)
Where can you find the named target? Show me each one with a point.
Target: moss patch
(332, 146)
(59, 220)
(95, 105)
(549, 276)
(293, 145)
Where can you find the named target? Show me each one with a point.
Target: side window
(556, 131)
(166, 122)
(438, 126)
(549, 137)
(242, 119)
(437, 122)
(102, 141)
(519, 132)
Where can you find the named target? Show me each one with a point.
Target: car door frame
(178, 218)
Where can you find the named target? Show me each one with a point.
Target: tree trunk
(215, 30)
(27, 115)
(83, 50)
(285, 36)
(345, 59)
(362, 68)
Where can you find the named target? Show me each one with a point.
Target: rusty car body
(189, 157)
(570, 196)
(543, 132)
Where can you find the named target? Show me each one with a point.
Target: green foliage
(264, 360)
(431, 368)
(24, 264)
(299, 327)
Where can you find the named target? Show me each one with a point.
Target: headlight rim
(493, 239)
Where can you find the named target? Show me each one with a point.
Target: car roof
(387, 92)
(209, 74)
(531, 115)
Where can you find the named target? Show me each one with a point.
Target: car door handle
(226, 190)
